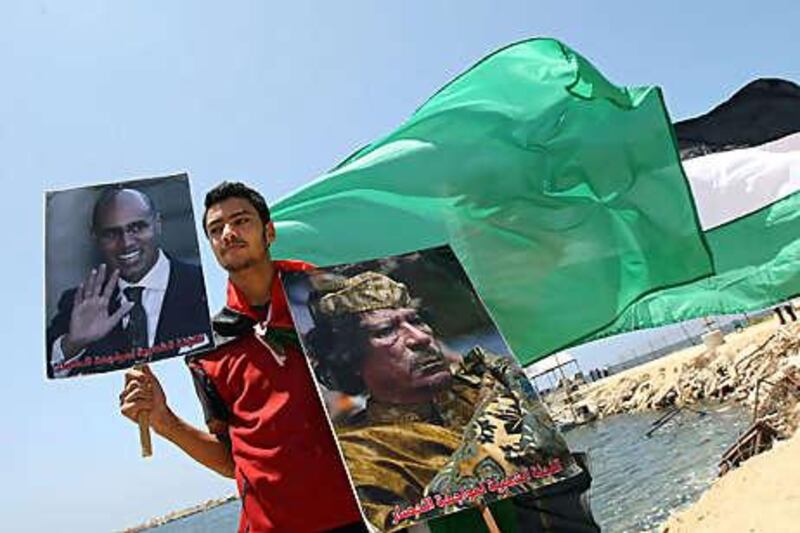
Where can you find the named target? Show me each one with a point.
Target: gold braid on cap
(367, 291)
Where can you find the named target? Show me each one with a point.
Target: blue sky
(273, 94)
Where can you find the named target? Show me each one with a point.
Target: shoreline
(180, 514)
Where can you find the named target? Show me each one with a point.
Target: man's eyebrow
(232, 215)
(376, 320)
(144, 220)
(379, 324)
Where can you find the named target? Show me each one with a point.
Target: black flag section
(762, 111)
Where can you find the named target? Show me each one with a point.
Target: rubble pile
(726, 372)
(779, 398)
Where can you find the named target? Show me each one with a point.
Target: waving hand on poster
(90, 319)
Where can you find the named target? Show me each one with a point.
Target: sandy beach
(763, 495)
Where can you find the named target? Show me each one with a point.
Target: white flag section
(729, 185)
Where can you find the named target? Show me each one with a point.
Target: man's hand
(90, 320)
(143, 393)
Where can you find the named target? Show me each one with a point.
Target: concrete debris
(768, 360)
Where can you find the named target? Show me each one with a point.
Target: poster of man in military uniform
(431, 412)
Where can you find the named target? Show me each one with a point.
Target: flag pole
(144, 434)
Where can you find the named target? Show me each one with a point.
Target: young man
(267, 427)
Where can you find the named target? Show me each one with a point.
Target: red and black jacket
(258, 394)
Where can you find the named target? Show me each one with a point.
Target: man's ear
(157, 224)
(269, 233)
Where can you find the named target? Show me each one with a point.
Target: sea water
(637, 480)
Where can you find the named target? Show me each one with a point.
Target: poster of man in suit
(123, 279)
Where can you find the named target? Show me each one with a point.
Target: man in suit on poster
(138, 302)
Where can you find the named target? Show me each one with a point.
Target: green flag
(561, 194)
(758, 264)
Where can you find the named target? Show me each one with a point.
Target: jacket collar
(239, 317)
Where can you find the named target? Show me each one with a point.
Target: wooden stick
(145, 441)
(144, 434)
(489, 519)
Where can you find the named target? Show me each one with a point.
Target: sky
(271, 93)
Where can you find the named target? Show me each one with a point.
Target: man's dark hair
(236, 189)
(107, 196)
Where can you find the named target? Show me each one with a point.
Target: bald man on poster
(139, 304)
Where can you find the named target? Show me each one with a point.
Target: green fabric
(756, 260)
(561, 194)
(471, 521)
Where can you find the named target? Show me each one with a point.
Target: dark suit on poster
(184, 313)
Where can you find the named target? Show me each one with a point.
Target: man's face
(127, 234)
(236, 234)
(404, 363)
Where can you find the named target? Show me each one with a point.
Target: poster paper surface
(431, 411)
(123, 279)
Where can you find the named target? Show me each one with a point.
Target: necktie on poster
(137, 324)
